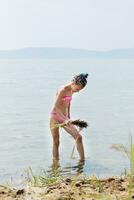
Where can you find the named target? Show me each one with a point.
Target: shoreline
(73, 188)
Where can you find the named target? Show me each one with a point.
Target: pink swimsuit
(61, 117)
(67, 98)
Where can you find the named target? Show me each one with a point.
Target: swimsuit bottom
(59, 117)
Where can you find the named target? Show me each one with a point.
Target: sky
(82, 24)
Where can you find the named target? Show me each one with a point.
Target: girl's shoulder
(62, 89)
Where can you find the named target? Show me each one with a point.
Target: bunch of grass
(129, 152)
(43, 178)
(79, 123)
(121, 148)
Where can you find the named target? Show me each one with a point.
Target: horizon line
(71, 48)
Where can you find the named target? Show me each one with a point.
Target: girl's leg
(70, 128)
(55, 136)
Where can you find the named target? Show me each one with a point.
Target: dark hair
(80, 79)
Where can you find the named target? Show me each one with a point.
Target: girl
(61, 113)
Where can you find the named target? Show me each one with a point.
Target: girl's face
(76, 88)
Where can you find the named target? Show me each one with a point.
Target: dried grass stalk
(80, 123)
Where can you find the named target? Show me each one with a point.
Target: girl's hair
(80, 79)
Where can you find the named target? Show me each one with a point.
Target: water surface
(27, 89)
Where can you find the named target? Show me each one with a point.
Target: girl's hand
(68, 121)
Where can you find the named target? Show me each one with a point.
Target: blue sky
(83, 24)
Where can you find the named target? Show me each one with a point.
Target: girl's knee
(79, 138)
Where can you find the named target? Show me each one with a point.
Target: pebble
(68, 180)
(78, 184)
(110, 179)
(121, 189)
(19, 192)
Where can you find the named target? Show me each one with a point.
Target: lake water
(27, 89)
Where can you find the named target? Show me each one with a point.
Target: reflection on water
(75, 167)
(69, 169)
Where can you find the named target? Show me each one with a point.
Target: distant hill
(65, 53)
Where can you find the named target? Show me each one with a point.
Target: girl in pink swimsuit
(61, 113)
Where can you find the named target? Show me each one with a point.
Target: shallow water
(27, 88)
